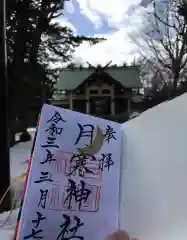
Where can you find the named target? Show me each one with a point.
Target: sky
(115, 20)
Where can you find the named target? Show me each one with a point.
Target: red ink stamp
(84, 166)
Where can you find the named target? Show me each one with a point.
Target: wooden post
(112, 101)
(87, 106)
(87, 100)
(129, 105)
(71, 100)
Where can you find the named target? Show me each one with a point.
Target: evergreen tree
(36, 42)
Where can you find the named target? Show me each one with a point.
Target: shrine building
(97, 91)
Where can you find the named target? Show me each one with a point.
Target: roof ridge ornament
(99, 67)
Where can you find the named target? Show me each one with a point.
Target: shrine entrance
(100, 105)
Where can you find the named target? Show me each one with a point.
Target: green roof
(71, 79)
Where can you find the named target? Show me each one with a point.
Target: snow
(7, 231)
(154, 174)
(18, 157)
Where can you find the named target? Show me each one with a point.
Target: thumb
(120, 235)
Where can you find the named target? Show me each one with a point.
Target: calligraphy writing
(69, 232)
(56, 118)
(49, 158)
(110, 134)
(46, 177)
(80, 195)
(54, 130)
(43, 198)
(79, 163)
(106, 161)
(86, 131)
(50, 143)
(36, 233)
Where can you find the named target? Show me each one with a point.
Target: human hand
(120, 235)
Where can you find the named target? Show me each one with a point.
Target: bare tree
(163, 43)
(182, 9)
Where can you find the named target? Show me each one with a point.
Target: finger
(120, 235)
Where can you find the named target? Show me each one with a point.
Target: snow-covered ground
(154, 174)
(19, 161)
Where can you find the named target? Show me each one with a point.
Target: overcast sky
(114, 20)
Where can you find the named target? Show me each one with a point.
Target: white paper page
(73, 196)
(154, 175)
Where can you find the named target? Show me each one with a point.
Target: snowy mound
(7, 231)
(154, 174)
(18, 157)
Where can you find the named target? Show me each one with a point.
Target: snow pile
(154, 174)
(19, 161)
(19, 155)
(7, 231)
